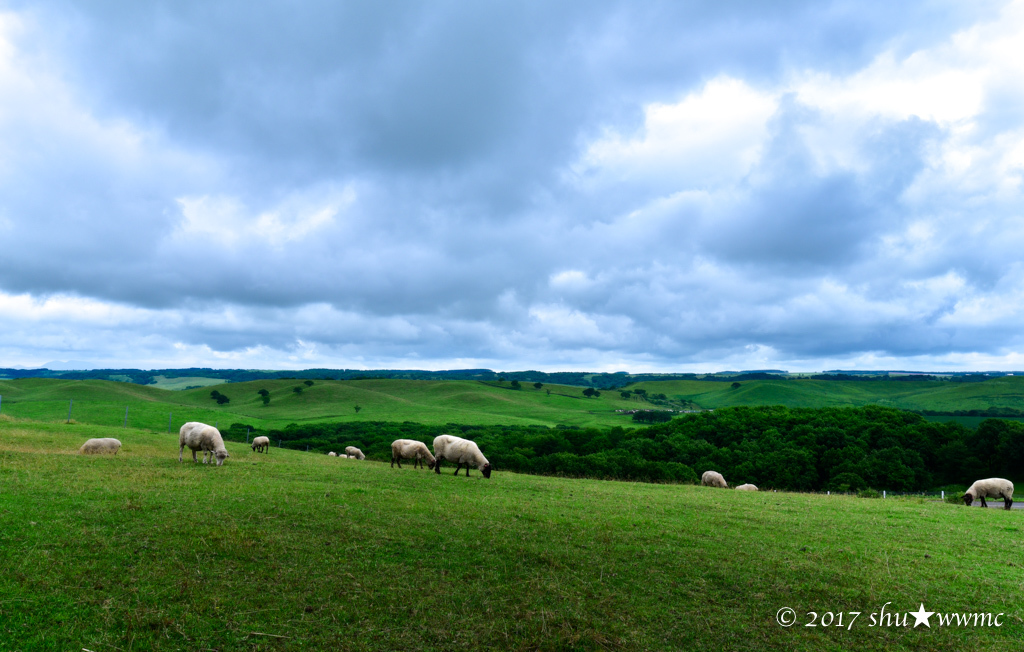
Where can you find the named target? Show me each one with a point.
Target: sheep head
(968, 499)
(221, 456)
(486, 470)
(430, 465)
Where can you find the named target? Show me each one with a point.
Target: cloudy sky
(656, 186)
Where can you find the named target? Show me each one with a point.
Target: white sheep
(202, 437)
(993, 488)
(100, 446)
(333, 454)
(410, 449)
(746, 487)
(355, 453)
(713, 479)
(261, 444)
(461, 451)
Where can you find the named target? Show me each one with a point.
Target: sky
(596, 185)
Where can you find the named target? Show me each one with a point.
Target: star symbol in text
(921, 616)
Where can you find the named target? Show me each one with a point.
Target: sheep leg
(194, 457)
(467, 469)
(437, 467)
(393, 462)
(983, 503)
(1007, 502)
(458, 467)
(181, 451)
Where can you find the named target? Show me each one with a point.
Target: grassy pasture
(103, 402)
(292, 551)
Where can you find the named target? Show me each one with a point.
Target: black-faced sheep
(100, 446)
(410, 449)
(261, 444)
(992, 488)
(202, 437)
(354, 452)
(713, 479)
(461, 451)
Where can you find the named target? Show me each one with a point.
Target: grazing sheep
(993, 488)
(333, 454)
(461, 451)
(410, 449)
(100, 446)
(713, 479)
(261, 444)
(746, 487)
(355, 453)
(201, 437)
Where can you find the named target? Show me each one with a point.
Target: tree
(263, 392)
(549, 392)
(642, 393)
(515, 384)
(538, 385)
(266, 399)
(308, 383)
(220, 398)
(297, 389)
(590, 392)
(358, 407)
(626, 395)
(735, 385)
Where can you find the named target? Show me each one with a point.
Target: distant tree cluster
(800, 449)
(220, 398)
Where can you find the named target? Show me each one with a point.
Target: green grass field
(151, 407)
(294, 551)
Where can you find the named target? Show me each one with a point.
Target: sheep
(333, 454)
(461, 451)
(261, 444)
(100, 446)
(199, 436)
(746, 487)
(406, 449)
(355, 453)
(713, 479)
(993, 488)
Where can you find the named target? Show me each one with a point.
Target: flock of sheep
(202, 437)
(991, 488)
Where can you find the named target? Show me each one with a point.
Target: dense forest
(798, 449)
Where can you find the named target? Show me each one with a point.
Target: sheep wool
(461, 451)
(202, 437)
(713, 479)
(746, 487)
(261, 444)
(354, 452)
(410, 449)
(991, 488)
(332, 454)
(100, 446)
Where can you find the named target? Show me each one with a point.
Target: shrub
(869, 493)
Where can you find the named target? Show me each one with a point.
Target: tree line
(798, 449)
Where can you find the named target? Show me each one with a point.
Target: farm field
(292, 551)
(466, 402)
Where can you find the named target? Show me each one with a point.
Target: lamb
(332, 454)
(461, 451)
(410, 449)
(355, 453)
(100, 446)
(261, 444)
(993, 488)
(746, 487)
(713, 479)
(199, 436)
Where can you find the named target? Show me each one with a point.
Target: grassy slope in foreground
(430, 402)
(139, 552)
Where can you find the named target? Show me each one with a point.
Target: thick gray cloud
(596, 185)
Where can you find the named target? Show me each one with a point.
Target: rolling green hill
(465, 402)
(297, 551)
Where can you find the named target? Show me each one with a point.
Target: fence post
(883, 493)
(70, 403)
(943, 495)
(247, 435)
(125, 417)
(279, 443)
(828, 493)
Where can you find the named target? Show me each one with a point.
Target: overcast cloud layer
(677, 186)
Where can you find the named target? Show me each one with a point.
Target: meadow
(291, 551)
